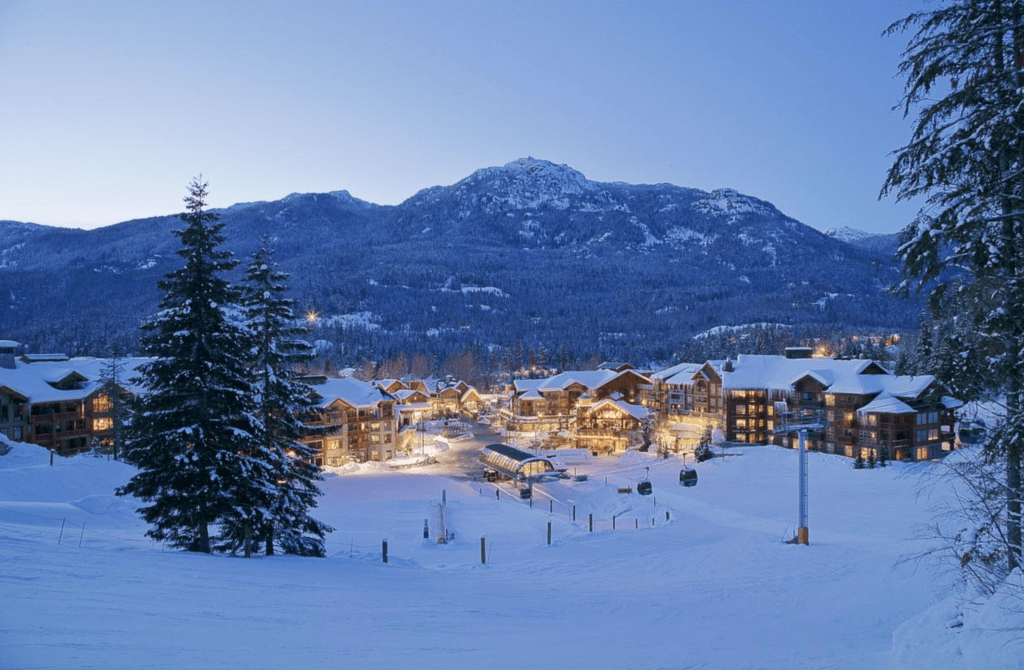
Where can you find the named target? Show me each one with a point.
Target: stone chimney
(9, 350)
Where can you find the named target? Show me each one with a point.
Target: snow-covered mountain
(882, 243)
(605, 268)
(847, 234)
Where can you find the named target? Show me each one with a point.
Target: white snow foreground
(712, 587)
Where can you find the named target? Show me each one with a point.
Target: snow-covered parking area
(713, 586)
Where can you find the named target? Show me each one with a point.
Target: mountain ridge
(603, 268)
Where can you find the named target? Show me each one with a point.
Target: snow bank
(955, 634)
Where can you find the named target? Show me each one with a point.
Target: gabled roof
(58, 375)
(11, 390)
(677, 374)
(856, 376)
(886, 404)
(352, 392)
(907, 386)
(636, 411)
(589, 379)
(391, 385)
(404, 394)
(36, 381)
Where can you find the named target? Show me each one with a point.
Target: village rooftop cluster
(65, 405)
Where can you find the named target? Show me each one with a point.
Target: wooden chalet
(608, 425)
(60, 404)
(552, 404)
(354, 421)
(867, 411)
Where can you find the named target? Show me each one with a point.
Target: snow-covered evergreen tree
(964, 71)
(284, 490)
(195, 423)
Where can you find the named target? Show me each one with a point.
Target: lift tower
(800, 422)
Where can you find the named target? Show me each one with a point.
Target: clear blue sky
(109, 108)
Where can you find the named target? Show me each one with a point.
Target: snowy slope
(713, 587)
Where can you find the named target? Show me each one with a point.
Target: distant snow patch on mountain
(847, 234)
(722, 330)
(733, 204)
(680, 235)
(366, 320)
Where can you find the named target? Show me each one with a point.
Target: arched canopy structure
(514, 463)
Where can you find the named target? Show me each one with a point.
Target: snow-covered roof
(636, 411)
(678, 374)
(756, 371)
(35, 381)
(43, 358)
(591, 379)
(405, 394)
(471, 392)
(907, 386)
(57, 375)
(352, 392)
(951, 403)
(886, 404)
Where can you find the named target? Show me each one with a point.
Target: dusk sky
(110, 108)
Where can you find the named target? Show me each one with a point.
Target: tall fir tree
(283, 490)
(195, 421)
(964, 87)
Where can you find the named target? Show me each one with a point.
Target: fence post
(51, 463)
(637, 522)
(613, 522)
(59, 537)
(591, 522)
(549, 533)
(652, 522)
(426, 529)
(574, 512)
(551, 506)
(666, 515)
(384, 550)
(483, 551)
(497, 494)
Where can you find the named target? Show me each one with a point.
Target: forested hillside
(529, 256)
